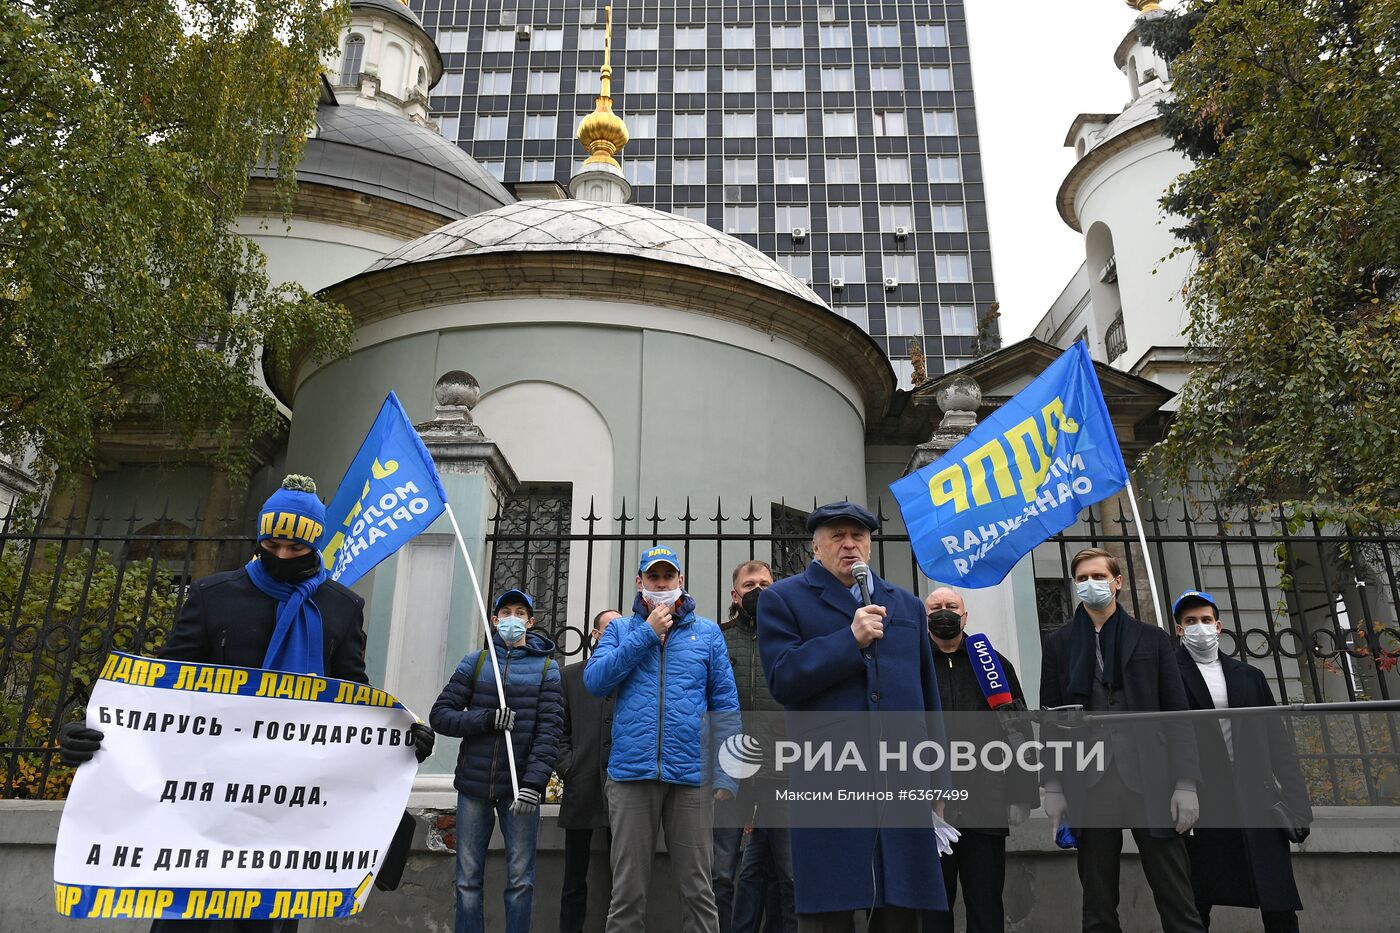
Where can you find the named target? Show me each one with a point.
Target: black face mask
(748, 603)
(945, 624)
(289, 569)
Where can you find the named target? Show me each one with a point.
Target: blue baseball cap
(520, 596)
(660, 554)
(1195, 596)
(842, 511)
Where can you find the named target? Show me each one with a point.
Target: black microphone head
(861, 571)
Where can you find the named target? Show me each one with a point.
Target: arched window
(1133, 76)
(354, 59)
(1079, 148)
(422, 79)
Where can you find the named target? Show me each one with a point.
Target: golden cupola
(602, 132)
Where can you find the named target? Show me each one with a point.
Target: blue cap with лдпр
(660, 554)
(842, 511)
(1196, 595)
(521, 596)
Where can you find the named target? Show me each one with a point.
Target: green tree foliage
(129, 130)
(1291, 113)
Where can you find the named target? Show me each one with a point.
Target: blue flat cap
(842, 511)
(1193, 596)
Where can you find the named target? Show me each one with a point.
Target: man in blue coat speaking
(822, 650)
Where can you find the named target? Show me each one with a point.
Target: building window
(739, 125)
(354, 59)
(643, 38)
(537, 170)
(690, 37)
(844, 218)
(886, 79)
(688, 172)
(892, 171)
(848, 266)
(951, 363)
(450, 85)
(931, 35)
(902, 267)
(940, 123)
(547, 40)
(791, 171)
(951, 267)
(541, 125)
(543, 82)
(496, 40)
(537, 517)
(945, 169)
(789, 79)
(640, 171)
(642, 125)
(491, 127)
(835, 37)
(740, 219)
(495, 83)
(738, 37)
(738, 81)
(457, 41)
(695, 212)
(935, 79)
(798, 265)
(447, 126)
(789, 123)
(839, 123)
(1115, 339)
(893, 216)
(949, 218)
(422, 78)
(904, 320)
(495, 167)
(838, 79)
(640, 81)
(842, 170)
(856, 313)
(790, 216)
(740, 171)
(689, 126)
(890, 123)
(590, 40)
(785, 37)
(958, 320)
(883, 35)
(588, 82)
(690, 81)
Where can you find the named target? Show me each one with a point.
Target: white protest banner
(231, 793)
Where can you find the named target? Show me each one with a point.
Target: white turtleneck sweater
(1213, 673)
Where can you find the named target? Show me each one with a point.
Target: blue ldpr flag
(1018, 478)
(390, 493)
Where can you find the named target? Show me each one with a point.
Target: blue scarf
(296, 644)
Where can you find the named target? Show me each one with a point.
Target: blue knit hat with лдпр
(293, 513)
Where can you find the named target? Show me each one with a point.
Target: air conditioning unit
(1148, 74)
(1109, 273)
(799, 233)
(522, 32)
(838, 283)
(901, 233)
(891, 283)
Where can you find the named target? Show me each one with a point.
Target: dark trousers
(1275, 921)
(979, 863)
(765, 879)
(1164, 862)
(573, 901)
(882, 920)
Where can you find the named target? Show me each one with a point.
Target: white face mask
(662, 597)
(1095, 594)
(1201, 637)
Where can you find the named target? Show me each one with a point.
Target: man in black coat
(234, 618)
(583, 765)
(1105, 661)
(1240, 856)
(997, 799)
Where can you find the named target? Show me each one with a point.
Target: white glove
(1017, 813)
(1186, 808)
(945, 834)
(504, 719)
(1055, 809)
(525, 802)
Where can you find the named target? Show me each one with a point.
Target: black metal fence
(1314, 609)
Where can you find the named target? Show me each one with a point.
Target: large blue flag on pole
(390, 493)
(1018, 478)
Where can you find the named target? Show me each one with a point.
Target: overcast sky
(1035, 67)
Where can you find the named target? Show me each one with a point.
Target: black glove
(76, 743)
(423, 739)
(504, 720)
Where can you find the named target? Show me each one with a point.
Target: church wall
(314, 254)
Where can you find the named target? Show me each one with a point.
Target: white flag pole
(495, 668)
(1147, 558)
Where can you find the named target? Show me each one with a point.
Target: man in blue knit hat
(280, 611)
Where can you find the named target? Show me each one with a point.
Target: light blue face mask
(511, 629)
(1094, 594)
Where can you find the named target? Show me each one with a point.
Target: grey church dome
(594, 227)
(388, 156)
(399, 9)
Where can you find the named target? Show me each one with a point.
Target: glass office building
(839, 138)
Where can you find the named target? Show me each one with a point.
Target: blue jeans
(767, 861)
(475, 820)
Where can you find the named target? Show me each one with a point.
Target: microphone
(861, 571)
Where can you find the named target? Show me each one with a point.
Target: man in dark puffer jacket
(469, 708)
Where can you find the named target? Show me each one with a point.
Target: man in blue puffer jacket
(669, 667)
(469, 707)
